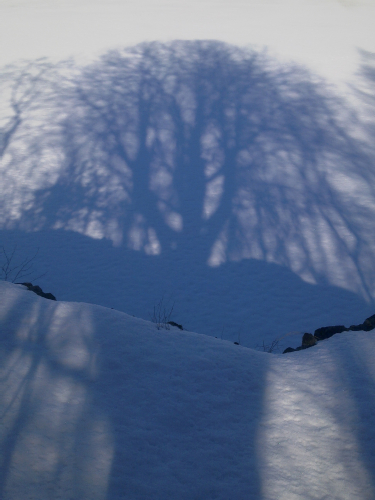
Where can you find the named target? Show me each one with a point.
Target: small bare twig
(11, 271)
(161, 315)
(273, 347)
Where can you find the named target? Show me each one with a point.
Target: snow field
(252, 235)
(98, 404)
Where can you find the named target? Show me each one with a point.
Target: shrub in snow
(162, 314)
(273, 347)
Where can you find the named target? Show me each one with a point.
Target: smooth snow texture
(237, 188)
(234, 184)
(96, 404)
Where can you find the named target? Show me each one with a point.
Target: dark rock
(366, 326)
(36, 289)
(299, 348)
(369, 323)
(328, 331)
(356, 328)
(308, 340)
(49, 296)
(172, 323)
(288, 349)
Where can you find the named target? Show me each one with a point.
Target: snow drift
(96, 404)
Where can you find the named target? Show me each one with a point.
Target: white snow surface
(215, 158)
(224, 166)
(97, 404)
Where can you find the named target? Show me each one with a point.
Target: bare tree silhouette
(198, 150)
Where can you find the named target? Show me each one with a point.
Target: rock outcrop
(325, 332)
(366, 326)
(36, 289)
(173, 323)
(308, 340)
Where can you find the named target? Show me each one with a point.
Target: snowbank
(96, 404)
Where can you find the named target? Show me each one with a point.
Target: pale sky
(323, 35)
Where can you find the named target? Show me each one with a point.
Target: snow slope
(229, 173)
(96, 404)
(217, 177)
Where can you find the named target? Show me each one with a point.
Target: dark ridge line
(325, 332)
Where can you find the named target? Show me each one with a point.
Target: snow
(243, 197)
(224, 171)
(98, 404)
(237, 188)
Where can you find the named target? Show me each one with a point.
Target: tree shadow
(215, 151)
(365, 92)
(197, 162)
(354, 369)
(199, 169)
(48, 433)
(329, 387)
(247, 301)
(85, 393)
